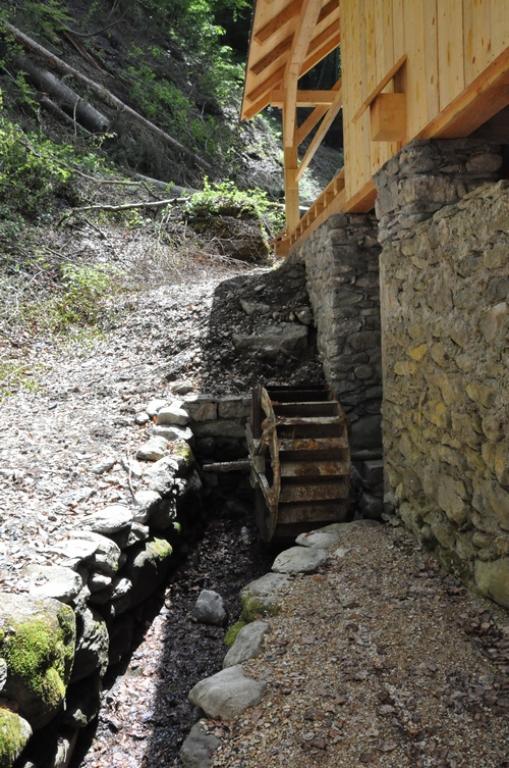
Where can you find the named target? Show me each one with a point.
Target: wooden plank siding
(455, 74)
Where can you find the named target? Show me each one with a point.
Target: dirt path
(65, 445)
(379, 660)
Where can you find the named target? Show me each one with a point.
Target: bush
(30, 176)
(80, 302)
(226, 199)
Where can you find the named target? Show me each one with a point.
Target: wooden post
(291, 186)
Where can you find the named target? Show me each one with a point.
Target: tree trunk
(109, 98)
(65, 97)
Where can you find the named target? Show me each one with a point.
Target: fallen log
(107, 96)
(55, 110)
(78, 108)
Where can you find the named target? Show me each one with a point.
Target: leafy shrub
(226, 199)
(80, 303)
(24, 168)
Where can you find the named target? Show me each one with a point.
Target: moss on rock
(38, 646)
(233, 631)
(14, 735)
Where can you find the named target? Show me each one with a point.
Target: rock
(371, 507)
(227, 694)
(172, 433)
(146, 501)
(248, 643)
(234, 407)
(37, 639)
(56, 581)
(263, 596)
(111, 519)
(153, 450)
(154, 406)
(182, 387)
(198, 748)
(137, 534)
(173, 415)
(14, 735)
(83, 702)
(201, 407)
(300, 560)
(209, 608)
(92, 645)
(97, 582)
(163, 515)
(141, 418)
(366, 434)
(161, 475)
(274, 340)
(90, 550)
(104, 466)
(492, 579)
(145, 569)
(254, 307)
(320, 539)
(304, 316)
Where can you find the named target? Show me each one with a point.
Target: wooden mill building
(410, 69)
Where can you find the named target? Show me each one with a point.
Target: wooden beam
(309, 123)
(388, 117)
(320, 134)
(267, 85)
(483, 98)
(304, 98)
(285, 45)
(380, 86)
(363, 200)
(291, 188)
(313, 119)
(277, 21)
(313, 59)
(288, 13)
(300, 45)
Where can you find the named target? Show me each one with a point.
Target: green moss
(160, 549)
(39, 654)
(233, 631)
(13, 737)
(183, 451)
(253, 608)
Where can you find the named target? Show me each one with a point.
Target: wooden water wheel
(300, 459)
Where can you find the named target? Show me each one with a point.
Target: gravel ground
(378, 660)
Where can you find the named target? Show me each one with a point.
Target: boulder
(92, 645)
(145, 502)
(248, 643)
(209, 608)
(300, 560)
(172, 432)
(227, 694)
(153, 450)
(90, 551)
(82, 703)
(173, 415)
(154, 406)
(274, 340)
(492, 579)
(146, 567)
(198, 748)
(55, 581)
(37, 640)
(112, 519)
(14, 735)
(160, 476)
(263, 596)
(320, 539)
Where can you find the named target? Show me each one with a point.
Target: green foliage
(233, 631)
(80, 301)
(29, 163)
(15, 376)
(48, 17)
(226, 199)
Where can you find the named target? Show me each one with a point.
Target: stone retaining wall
(445, 324)
(341, 259)
(73, 620)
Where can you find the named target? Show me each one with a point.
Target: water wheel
(300, 460)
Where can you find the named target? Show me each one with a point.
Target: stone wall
(341, 259)
(445, 326)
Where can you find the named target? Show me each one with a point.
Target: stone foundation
(341, 259)
(445, 326)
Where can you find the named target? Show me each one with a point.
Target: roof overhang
(275, 25)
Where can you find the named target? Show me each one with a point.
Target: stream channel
(145, 713)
